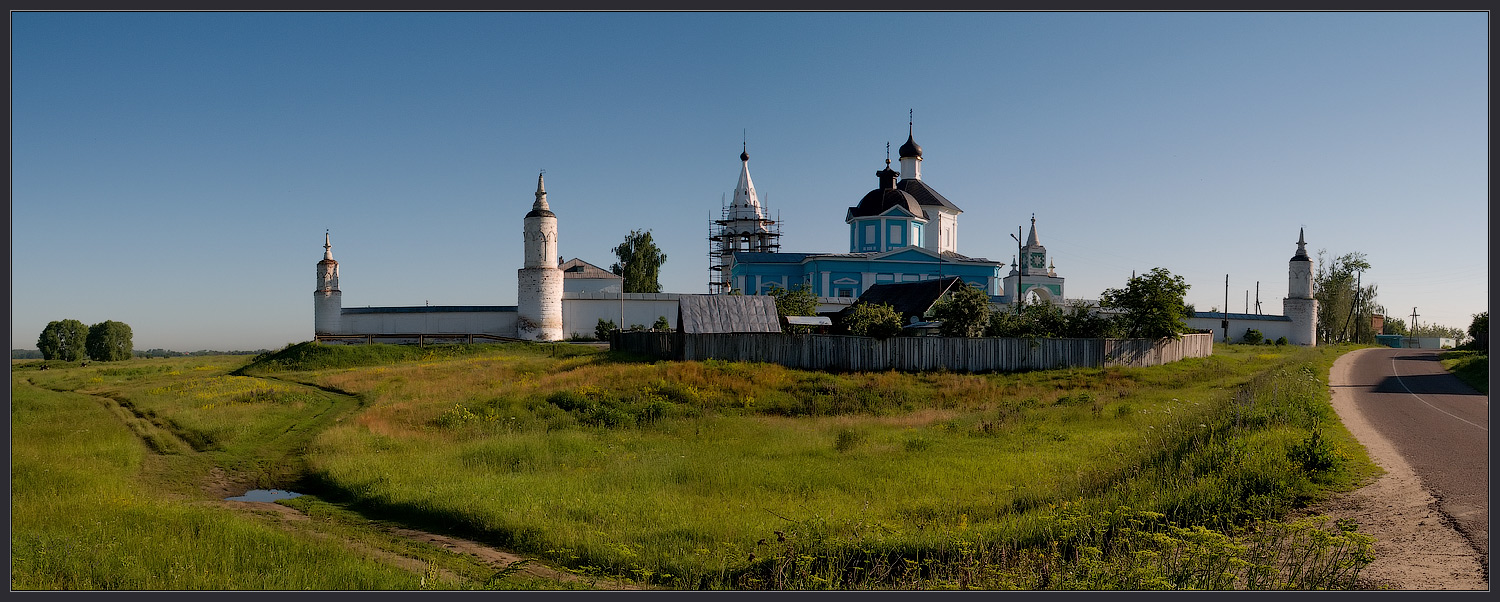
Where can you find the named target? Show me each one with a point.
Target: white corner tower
(1299, 304)
(540, 287)
(327, 300)
(745, 226)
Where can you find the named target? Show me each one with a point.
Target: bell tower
(540, 285)
(1299, 304)
(327, 300)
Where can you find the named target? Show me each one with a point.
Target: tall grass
(681, 473)
(1472, 367)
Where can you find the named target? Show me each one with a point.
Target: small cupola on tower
(911, 155)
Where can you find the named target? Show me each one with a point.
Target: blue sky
(176, 171)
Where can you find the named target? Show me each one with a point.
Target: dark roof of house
(924, 194)
(908, 298)
(578, 268)
(708, 314)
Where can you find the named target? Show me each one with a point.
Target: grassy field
(720, 475)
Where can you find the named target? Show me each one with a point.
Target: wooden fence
(912, 354)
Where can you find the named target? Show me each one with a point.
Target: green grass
(722, 475)
(672, 472)
(81, 519)
(1472, 367)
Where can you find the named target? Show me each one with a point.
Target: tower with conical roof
(327, 300)
(1033, 275)
(1299, 304)
(540, 283)
(744, 227)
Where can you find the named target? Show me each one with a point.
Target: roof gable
(911, 254)
(578, 268)
(711, 314)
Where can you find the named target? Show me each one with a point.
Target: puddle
(264, 495)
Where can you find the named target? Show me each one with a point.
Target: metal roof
(578, 268)
(910, 299)
(925, 194)
(713, 314)
(425, 309)
(1219, 315)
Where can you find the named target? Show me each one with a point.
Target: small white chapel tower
(1299, 304)
(327, 300)
(540, 287)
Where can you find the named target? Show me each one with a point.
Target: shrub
(604, 328)
(1252, 336)
(878, 320)
(848, 439)
(1281, 341)
(661, 325)
(1315, 454)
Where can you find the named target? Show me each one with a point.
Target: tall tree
(640, 263)
(964, 311)
(1479, 329)
(109, 341)
(63, 340)
(1344, 303)
(1152, 305)
(1393, 325)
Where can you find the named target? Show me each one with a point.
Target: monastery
(902, 231)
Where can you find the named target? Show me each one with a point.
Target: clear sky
(177, 171)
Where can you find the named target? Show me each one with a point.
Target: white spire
(1031, 238)
(541, 194)
(746, 204)
(327, 248)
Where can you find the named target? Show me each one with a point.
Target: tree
(878, 320)
(661, 324)
(1479, 329)
(1393, 326)
(1152, 305)
(1344, 305)
(640, 263)
(964, 311)
(109, 341)
(797, 301)
(63, 340)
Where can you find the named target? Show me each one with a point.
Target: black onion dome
(540, 213)
(910, 149)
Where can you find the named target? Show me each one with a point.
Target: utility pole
(1413, 332)
(1257, 297)
(1226, 308)
(1358, 289)
(1020, 276)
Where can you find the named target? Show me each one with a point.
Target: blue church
(902, 231)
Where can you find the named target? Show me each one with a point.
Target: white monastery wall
(582, 311)
(1271, 329)
(498, 323)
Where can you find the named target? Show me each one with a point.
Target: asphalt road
(1438, 424)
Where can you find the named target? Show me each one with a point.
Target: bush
(661, 325)
(1252, 336)
(603, 329)
(1315, 454)
(1281, 341)
(878, 320)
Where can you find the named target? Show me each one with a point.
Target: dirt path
(1415, 548)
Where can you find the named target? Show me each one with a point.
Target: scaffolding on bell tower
(729, 235)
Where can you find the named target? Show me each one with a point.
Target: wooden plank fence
(912, 354)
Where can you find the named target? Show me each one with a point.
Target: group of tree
(70, 340)
(1148, 306)
(1345, 304)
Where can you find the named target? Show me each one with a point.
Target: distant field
(731, 475)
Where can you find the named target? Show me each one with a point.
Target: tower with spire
(1299, 304)
(743, 227)
(539, 289)
(1033, 275)
(327, 300)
